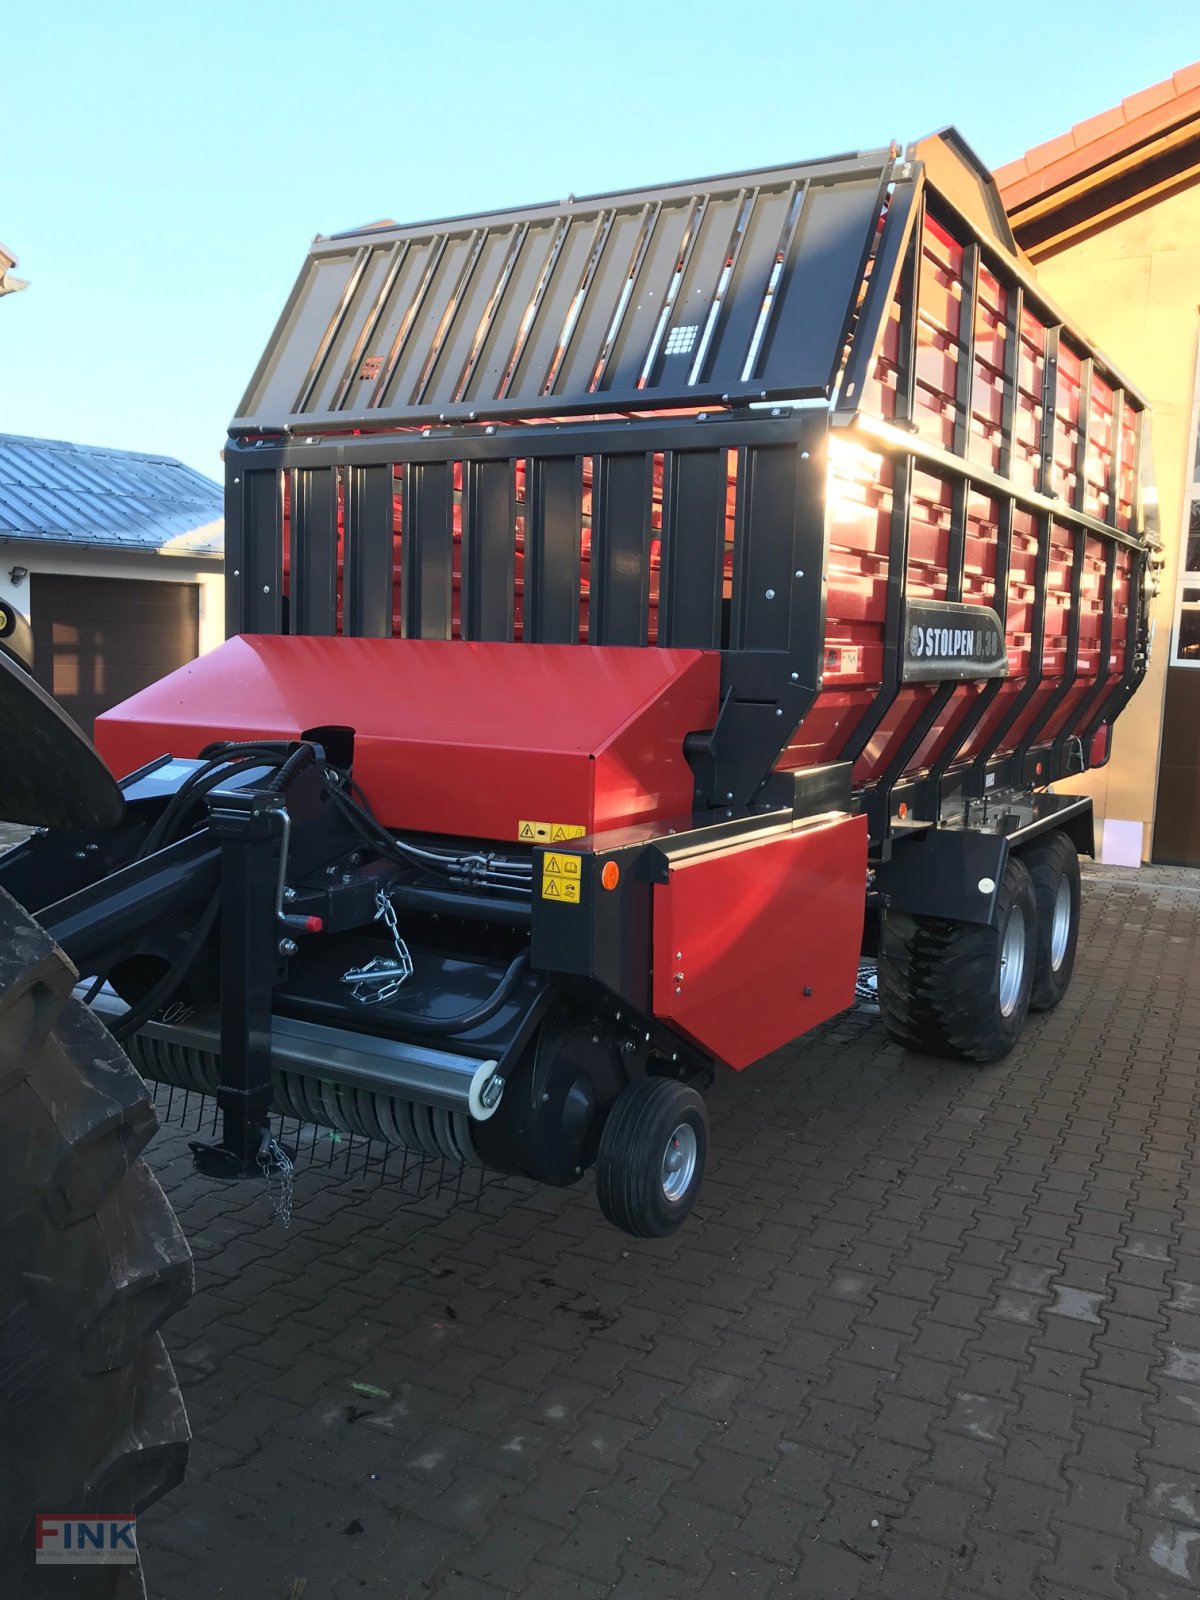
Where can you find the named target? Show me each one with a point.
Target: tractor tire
(1053, 864)
(651, 1158)
(960, 988)
(92, 1262)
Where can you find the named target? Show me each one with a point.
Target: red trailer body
(677, 593)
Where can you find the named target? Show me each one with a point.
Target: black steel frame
(771, 640)
(770, 628)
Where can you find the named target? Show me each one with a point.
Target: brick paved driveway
(935, 1330)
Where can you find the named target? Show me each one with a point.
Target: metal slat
(742, 304)
(1114, 465)
(902, 477)
(531, 376)
(1014, 307)
(367, 546)
(764, 534)
(474, 247)
(673, 301)
(622, 490)
(571, 328)
(553, 530)
(810, 313)
(236, 531)
(403, 333)
(904, 211)
(261, 609)
(620, 303)
(525, 328)
(1081, 444)
(313, 375)
(427, 549)
(627, 359)
(399, 252)
(488, 549)
(314, 551)
(516, 241)
(692, 557)
(989, 690)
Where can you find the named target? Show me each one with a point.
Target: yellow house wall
(1135, 290)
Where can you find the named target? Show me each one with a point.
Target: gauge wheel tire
(960, 988)
(650, 1163)
(92, 1263)
(1053, 865)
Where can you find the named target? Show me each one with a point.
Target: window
(1185, 650)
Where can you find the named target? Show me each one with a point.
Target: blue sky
(166, 165)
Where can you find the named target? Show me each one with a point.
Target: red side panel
(450, 737)
(757, 944)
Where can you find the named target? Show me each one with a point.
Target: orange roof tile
(1101, 138)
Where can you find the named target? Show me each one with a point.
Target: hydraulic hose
(166, 986)
(303, 756)
(466, 1020)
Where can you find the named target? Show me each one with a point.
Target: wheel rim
(1012, 961)
(679, 1162)
(1060, 926)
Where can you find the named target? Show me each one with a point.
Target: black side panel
(620, 564)
(428, 549)
(368, 552)
(489, 549)
(693, 548)
(552, 545)
(314, 545)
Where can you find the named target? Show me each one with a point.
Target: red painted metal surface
(860, 515)
(450, 737)
(767, 938)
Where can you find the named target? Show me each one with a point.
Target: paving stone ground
(933, 1331)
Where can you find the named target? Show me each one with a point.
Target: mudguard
(52, 776)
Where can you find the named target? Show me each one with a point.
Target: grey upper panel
(740, 286)
(86, 495)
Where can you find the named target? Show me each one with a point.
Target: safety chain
(380, 980)
(278, 1172)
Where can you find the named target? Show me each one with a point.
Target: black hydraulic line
(225, 748)
(455, 867)
(194, 789)
(303, 756)
(170, 981)
(466, 1020)
(456, 903)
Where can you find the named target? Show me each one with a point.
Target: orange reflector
(903, 809)
(610, 875)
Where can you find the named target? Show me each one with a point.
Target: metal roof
(89, 496)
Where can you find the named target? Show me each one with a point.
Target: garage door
(96, 641)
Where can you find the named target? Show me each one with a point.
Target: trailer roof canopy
(738, 287)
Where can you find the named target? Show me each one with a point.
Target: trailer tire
(1053, 864)
(959, 988)
(650, 1163)
(92, 1262)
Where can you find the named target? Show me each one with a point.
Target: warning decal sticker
(560, 876)
(548, 832)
